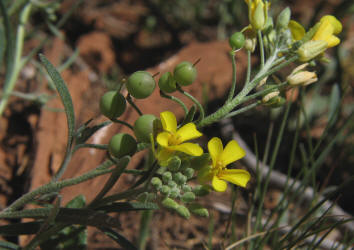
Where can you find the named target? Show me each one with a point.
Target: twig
(279, 180)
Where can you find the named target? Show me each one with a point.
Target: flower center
(173, 140)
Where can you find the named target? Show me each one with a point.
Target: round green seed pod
(237, 41)
(143, 127)
(121, 145)
(167, 83)
(112, 104)
(141, 84)
(185, 73)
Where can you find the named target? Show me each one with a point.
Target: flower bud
(284, 18)
(270, 95)
(165, 189)
(275, 102)
(174, 163)
(141, 84)
(172, 184)
(311, 49)
(143, 127)
(174, 193)
(112, 104)
(251, 39)
(258, 19)
(301, 77)
(199, 210)
(156, 183)
(183, 211)
(121, 145)
(188, 197)
(201, 190)
(166, 177)
(237, 41)
(188, 172)
(185, 73)
(179, 178)
(186, 188)
(169, 203)
(167, 83)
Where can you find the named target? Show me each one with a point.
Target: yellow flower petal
(188, 132)
(324, 32)
(162, 138)
(232, 152)
(169, 122)
(163, 155)
(337, 26)
(238, 177)
(218, 184)
(215, 148)
(333, 41)
(297, 30)
(188, 148)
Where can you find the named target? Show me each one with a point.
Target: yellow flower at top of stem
(172, 139)
(324, 37)
(217, 172)
(257, 13)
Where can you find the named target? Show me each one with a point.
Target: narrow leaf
(129, 206)
(120, 239)
(8, 245)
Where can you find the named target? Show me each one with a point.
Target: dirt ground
(111, 38)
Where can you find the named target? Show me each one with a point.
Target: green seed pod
(167, 83)
(186, 188)
(237, 41)
(188, 172)
(169, 203)
(141, 84)
(174, 163)
(174, 193)
(121, 145)
(201, 190)
(143, 127)
(284, 18)
(188, 197)
(165, 189)
(179, 178)
(185, 73)
(166, 177)
(156, 183)
(183, 211)
(199, 210)
(112, 104)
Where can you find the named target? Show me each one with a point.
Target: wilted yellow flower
(257, 13)
(217, 173)
(323, 38)
(299, 76)
(173, 139)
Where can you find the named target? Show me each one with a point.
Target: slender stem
(175, 99)
(96, 146)
(233, 84)
(129, 99)
(261, 47)
(56, 186)
(123, 122)
(200, 107)
(244, 109)
(249, 67)
(20, 37)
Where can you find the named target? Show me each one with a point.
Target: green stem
(244, 109)
(56, 186)
(129, 99)
(12, 77)
(261, 47)
(249, 67)
(175, 99)
(96, 146)
(233, 84)
(228, 107)
(200, 107)
(124, 123)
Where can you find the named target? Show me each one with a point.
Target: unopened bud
(299, 76)
(201, 190)
(183, 211)
(188, 172)
(311, 49)
(186, 188)
(169, 203)
(166, 177)
(174, 163)
(188, 197)
(284, 18)
(156, 183)
(258, 19)
(174, 192)
(172, 184)
(275, 102)
(165, 189)
(199, 210)
(270, 95)
(179, 178)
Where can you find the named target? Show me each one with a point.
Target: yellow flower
(221, 157)
(323, 37)
(173, 139)
(257, 13)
